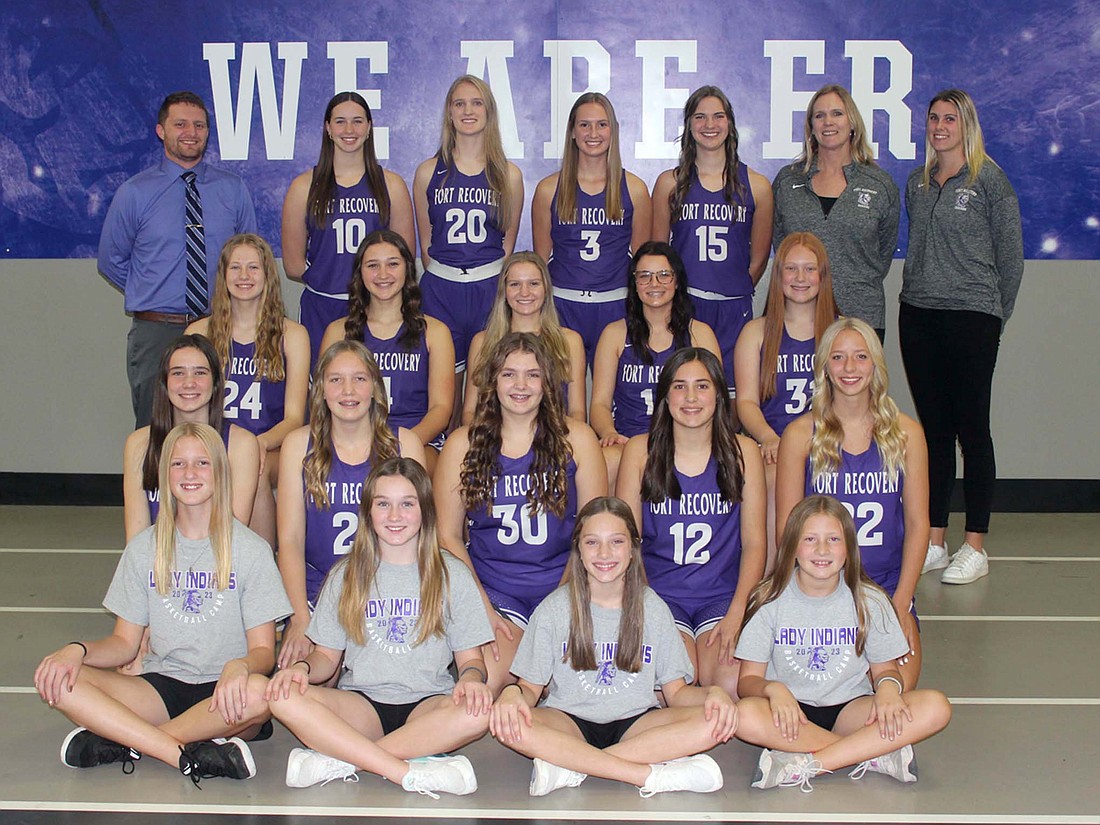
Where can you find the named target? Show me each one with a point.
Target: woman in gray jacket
(961, 277)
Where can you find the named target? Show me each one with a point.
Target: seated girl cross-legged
(396, 611)
(208, 590)
(600, 645)
(813, 633)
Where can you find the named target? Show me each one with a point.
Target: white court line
(1044, 558)
(53, 610)
(533, 812)
(925, 618)
(68, 551)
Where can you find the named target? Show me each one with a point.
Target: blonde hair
(972, 138)
(828, 435)
(318, 460)
(221, 516)
(858, 141)
(496, 162)
(567, 179)
(270, 363)
(361, 565)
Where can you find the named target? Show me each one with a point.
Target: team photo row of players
(599, 636)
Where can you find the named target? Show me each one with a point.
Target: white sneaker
(448, 774)
(779, 769)
(900, 764)
(305, 768)
(547, 777)
(699, 774)
(937, 558)
(967, 565)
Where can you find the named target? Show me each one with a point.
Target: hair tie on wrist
(83, 647)
(482, 673)
(309, 670)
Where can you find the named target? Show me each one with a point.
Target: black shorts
(824, 716)
(392, 716)
(178, 696)
(605, 734)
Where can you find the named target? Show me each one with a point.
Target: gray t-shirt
(809, 643)
(604, 694)
(195, 628)
(390, 667)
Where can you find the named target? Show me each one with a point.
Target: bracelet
(468, 668)
(890, 679)
(309, 670)
(83, 647)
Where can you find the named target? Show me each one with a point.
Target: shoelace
(128, 766)
(351, 777)
(803, 776)
(191, 768)
(418, 786)
(859, 770)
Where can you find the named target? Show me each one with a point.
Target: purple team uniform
(589, 265)
(257, 405)
(713, 237)
(692, 550)
(153, 496)
(330, 253)
(466, 251)
(519, 559)
(405, 373)
(635, 384)
(330, 532)
(794, 382)
(864, 488)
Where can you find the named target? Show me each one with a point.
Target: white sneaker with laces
(305, 768)
(967, 565)
(699, 774)
(900, 764)
(447, 774)
(779, 769)
(547, 777)
(937, 558)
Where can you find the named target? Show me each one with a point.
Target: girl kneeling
(397, 611)
(813, 632)
(601, 644)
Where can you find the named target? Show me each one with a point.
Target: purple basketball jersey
(405, 373)
(864, 488)
(635, 385)
(255, 405)
(794, 383)
(512, 551)
(692, 545)
(330, 532)
(592, 254)
(330, 250)
(461, 211)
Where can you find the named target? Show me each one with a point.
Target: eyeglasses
(663, 276)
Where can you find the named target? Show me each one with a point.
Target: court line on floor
(555, 814)
(1045, 558)
(935, 618)
(108, 551)
(54, 610)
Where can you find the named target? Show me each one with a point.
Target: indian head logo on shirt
(607, 678)
(817, 654)
(390, 623)
(193, 596)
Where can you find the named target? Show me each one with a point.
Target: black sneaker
(217, 757)
(84, 749)
(265, 732)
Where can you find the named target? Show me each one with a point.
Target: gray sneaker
(699, 774)
(448, 774)
(900, 764)
(305, 768)
(779, 769)
(547, 777)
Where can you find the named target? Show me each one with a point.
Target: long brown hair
(163, 417)
(359, 295)
(552, 452)
(322, 187)
(318, 460)
(825, 311)
(221, 514)
(854, 576)
(685, 169)
(496, 162)
(364, 558)
(567, 179)
(270, 363)
(580, 648)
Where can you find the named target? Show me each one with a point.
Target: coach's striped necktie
(196, 249)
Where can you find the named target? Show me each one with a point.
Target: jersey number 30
(511, 530)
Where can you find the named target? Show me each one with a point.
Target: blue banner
(80, 84)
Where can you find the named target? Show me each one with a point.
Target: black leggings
(949, 357)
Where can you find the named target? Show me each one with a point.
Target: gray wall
(66, 406)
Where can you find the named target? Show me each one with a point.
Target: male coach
(162, 237)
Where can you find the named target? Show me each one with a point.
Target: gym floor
(1016, 652)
